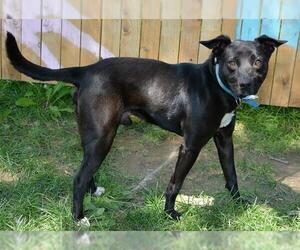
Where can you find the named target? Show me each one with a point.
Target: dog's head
(243, 64)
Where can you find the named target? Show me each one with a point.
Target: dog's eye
(232, 65)
(258, 63)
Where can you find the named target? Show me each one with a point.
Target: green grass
(40, 152)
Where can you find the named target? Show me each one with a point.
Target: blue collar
(250, 99)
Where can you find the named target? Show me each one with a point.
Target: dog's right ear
(217, 44)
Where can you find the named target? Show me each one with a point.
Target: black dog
(196, 101)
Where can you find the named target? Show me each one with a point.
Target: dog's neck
(227, 99)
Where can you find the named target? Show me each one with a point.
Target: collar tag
(251, 101)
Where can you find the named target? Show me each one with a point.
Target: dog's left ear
(217, 44)
(269, 42)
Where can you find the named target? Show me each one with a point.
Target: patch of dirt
(289, 174)
(135, 158)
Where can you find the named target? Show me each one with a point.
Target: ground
(40, 152)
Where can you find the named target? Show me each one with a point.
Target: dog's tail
(70, 75)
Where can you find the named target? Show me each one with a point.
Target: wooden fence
(57, 42)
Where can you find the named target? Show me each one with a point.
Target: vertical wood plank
(272, 29)
(191, 9)
(111, 28)
(189, 41)
(131, 28)
(31, 33)
(251, 22)
(169, 41)
(90, 32)
(211, 25)
(150, 30)
(270, 25)
(295, 91)
(110, 38)
(51, 43)
(90, 41)
(70, 43)
(229, 14)
(31, 42)
(130, 38)
(210, 29)
(51, 34)
(286, 56)
(71, 33)
(150, 38)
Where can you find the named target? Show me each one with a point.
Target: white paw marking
(84, 222)
(226, 120)
(99, 191)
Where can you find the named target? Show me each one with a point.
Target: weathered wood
(90, 31)
(284, 68)
(90, 41)
(150, 29)
(295, 91)
(130, 38)
(70, 42)
(169, 41)
(31, 42)
(189, 41)
(209, 30)
(110, 39)
(150, 38)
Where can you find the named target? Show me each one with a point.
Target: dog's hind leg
(98, 123)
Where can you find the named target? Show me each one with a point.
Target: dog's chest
(226, 120)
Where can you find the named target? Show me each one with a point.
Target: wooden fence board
(150, 38)
(284, 66)
(295, 91)
(189, 42)
(272, 29)
(90, 41)
(131, 28)
(150, 29)
(70, 43)
(110, 39)
(169, 41)
(210, 29)
(90, 32)
(51, 43)
(31, 42)
(71, 33)
(130, 38)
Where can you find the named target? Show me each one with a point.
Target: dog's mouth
(243, 91)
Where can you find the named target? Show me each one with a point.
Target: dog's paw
(84, 222)
(173, 214)
(99, 191)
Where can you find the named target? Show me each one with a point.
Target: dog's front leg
(185, 161)
(224, 144)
